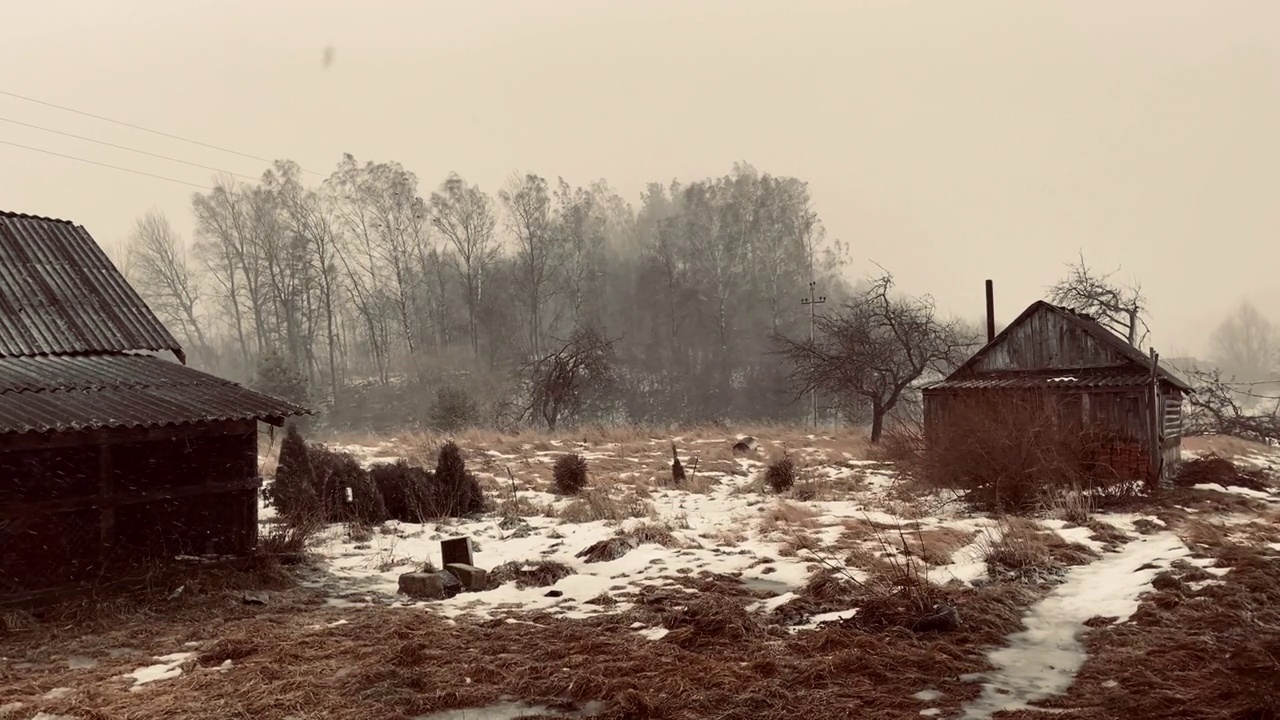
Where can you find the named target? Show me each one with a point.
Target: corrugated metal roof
(1028, 382)
(60, 294)
(65, 393)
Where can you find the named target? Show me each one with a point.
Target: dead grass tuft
(934, 546)
(655, 533)
(783, 515)
(1025, 552)
(598, 504)
(1108, 534)
(1218, 470)
(533, 573)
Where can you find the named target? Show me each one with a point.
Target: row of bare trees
(366, 280)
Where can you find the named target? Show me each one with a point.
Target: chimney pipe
(991, 312)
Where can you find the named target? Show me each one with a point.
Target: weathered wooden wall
(1047, 341)
(75, 512)
(1126, 413)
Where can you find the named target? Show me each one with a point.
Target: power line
(143, 129)
(105, 165)
(123, 147)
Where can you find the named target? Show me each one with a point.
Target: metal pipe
(991, 312)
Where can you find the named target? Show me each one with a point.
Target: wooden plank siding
(1047, 341)
(1126, 412)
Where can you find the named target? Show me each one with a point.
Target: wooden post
(1157, 423)
(106, 491)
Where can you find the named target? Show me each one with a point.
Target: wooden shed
(1091, 377)
(112, 457)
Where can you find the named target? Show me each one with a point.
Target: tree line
(386, 300)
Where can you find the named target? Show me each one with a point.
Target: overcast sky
(948, 141)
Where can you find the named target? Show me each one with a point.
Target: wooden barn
(1090, 377)
(112, 457)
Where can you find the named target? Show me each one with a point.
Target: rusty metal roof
(68, 393)
(60, 294)
(1064, 380)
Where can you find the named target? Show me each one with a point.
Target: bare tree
(1244, 344)
(562, 383)
(463, 214)
(528, 204)
(1113, 305)
(1218, 407)
(222, 244)
(158, 264)
(311, 220)
(874, 349)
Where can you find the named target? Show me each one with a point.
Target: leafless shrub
(292, 537)
(1217, 408)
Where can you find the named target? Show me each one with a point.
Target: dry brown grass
(1154, 666)
(599, 504)
(934, 546)
(533, 573)
(290, 660)
(1027, 552)
(783, 516)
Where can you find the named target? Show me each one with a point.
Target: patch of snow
(57, 693)
(169, 667)
(1042, 660)
(927, 695)
(654, 633)
(773, 603)
(79, 662)
(225, 666)
(1081, 535)
(968, 563)
(1234, 490)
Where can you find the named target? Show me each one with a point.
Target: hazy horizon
(950, 145)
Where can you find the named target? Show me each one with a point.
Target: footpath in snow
(1043, 660)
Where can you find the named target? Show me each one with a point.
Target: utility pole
(813, 301)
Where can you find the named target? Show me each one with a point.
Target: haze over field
(965, 141)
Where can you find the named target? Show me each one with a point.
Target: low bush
(457, 492)
(453, 409)
(781, 474)
(347, 492)
(293, 490)
(569, 474)
(406, 490)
